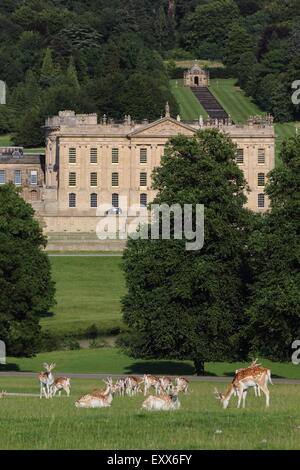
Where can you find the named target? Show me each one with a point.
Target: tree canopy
(190, 304)
(26, 288)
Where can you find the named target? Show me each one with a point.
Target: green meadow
(88, 291)
(110, 360)
(200, 423)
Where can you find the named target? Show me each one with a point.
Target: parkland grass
(88, 291)
(200, 423)
(110, 360)
(189, 107)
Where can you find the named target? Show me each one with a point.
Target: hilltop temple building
(89, 162)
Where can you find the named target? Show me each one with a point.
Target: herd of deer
(166, 393)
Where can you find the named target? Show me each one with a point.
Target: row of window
(114, 200)
(114, 179)
(143, 200)
(261, 156)
(114, 155)
(18, 177)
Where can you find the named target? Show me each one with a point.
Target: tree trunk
(199, 367)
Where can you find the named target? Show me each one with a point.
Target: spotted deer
(63, 383)
(161, 402)
(256, 388)
(46, 380)
(98, 398)
(165, 385)
(133, 385)
(182, 383)
(151, 381)
(248, 377)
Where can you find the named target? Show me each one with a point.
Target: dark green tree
(189, 304)
(26, 288)
(275, 262)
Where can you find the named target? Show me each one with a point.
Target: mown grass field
(5, 141)
(88, 291)
(110, 360)
(189, 107)
(31, 423)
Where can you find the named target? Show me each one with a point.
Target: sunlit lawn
(31, 423)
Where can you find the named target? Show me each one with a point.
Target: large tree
(189, 304)
(275, 262)
(26, 288)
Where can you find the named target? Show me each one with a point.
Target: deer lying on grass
(151, 381)
(98, 398)
(161, 402)
(46, 380)
(63, 383)
(248, 377)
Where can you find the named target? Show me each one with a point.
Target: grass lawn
(31, 423)
(233, 99)
(88, 291)
(189, 107)
(112, 361)
(5, 141)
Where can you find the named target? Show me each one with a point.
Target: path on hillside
(116, 376)
(209, 103)
(82, 254)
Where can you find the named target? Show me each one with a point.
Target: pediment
(166, 127)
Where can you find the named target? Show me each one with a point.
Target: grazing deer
(98, 398)
(133, 384)
(165, 385)
(182, 383)
(161, 402)
(257, 391)
(151, 381)
(248, 377)
(121, 384)
(46, 380)
(63, 383)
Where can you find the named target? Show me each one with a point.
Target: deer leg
(244, 397)
(240, 394)
(267, 394)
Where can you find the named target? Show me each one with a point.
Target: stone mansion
(89, 162)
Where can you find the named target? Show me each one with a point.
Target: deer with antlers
(46, 380)
(245, 378)
(98, 398)
(63, 383)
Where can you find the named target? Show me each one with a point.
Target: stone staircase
(209, 103)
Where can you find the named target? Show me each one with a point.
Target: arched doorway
(196, 81)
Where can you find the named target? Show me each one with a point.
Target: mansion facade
(88, 163)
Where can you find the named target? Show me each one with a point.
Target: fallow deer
(165, 385)
(182, 383)
(63, 383)
(133, 385)
(256, 387)
(98, 399)
(161, 402)
(248, 377)
(151, 381)
(46, 380)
